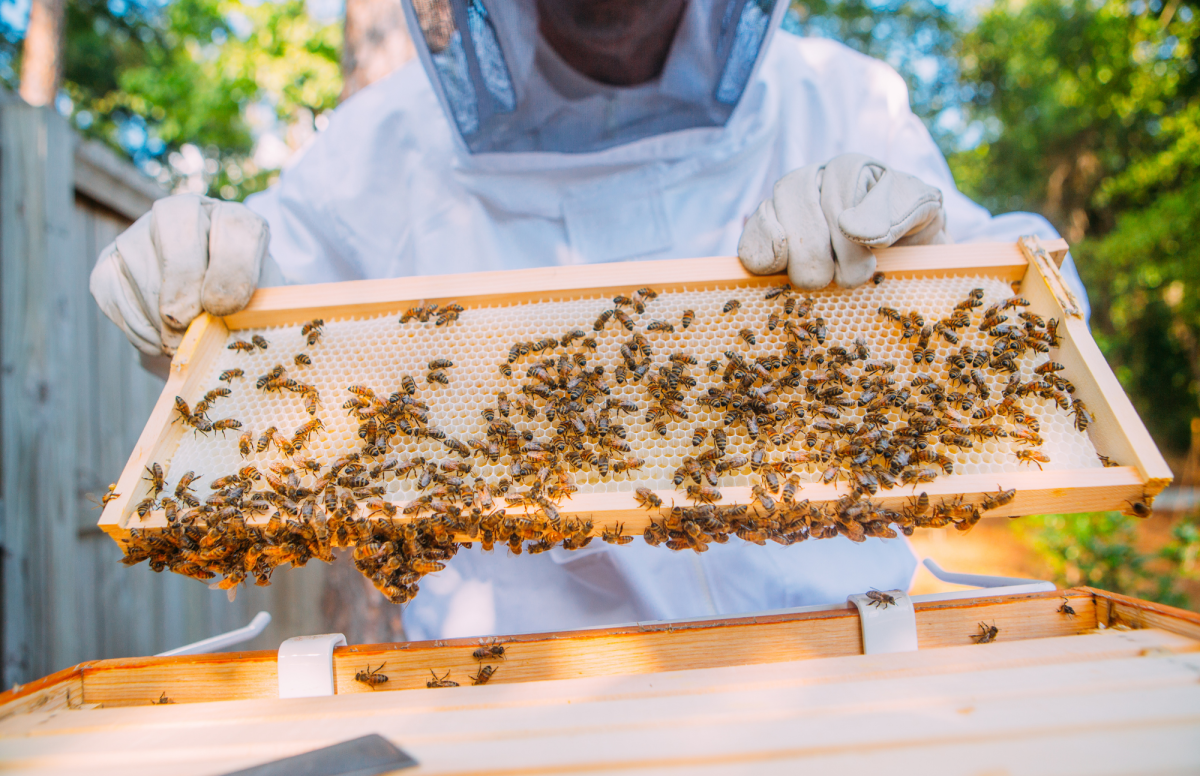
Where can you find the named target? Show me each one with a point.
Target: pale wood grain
(1116, 609)
(866, 669)
(295, 304)
(203, 343)
(633, 649)
(984, 700)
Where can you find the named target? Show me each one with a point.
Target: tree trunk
(41, 59)
(376, 43)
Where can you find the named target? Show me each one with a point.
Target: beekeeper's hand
(822, 219)
(189, 254)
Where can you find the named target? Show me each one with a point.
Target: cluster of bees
(489, 651)
(832, 412)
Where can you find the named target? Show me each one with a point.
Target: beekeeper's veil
(505, 89)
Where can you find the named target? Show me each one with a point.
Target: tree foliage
(1090, 111)
(916, 38)
(197, 76)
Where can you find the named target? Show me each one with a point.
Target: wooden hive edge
(1114, 609)
(633, 648)
(1116, 422)
(629, 649)
(287, 305)
(199, 346)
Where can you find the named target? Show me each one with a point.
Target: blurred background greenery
(1087, 111)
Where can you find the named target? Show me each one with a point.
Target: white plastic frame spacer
(306, 665)
(886, 627)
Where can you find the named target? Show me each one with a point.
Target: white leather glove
(822, 219)
(188, 254)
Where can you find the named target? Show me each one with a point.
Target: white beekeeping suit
(492, 153)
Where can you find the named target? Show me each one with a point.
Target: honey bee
(110, 495)
(1026, 437)
(185, 483)
(720, 439)
(440, 363)
(688, 317)
(1083, 418)
(877, 278)
(242, 346)
(162, 700)
(185, 412)
(484, 675)
(229, 374)
(422, 566)
(260, 341)
(1106, 461)
(302, 359)
(437, 377)
(146, 506)
(647, 499)
(1140, 508)
(623, 319)
(264, 441)
(371, 677)
(154, 474)
(703, 493)
(747, 335)
(228, 424)
(246, 443)
(733, 305)
(1032, 456)
(880, 599)
(987, 634)
(488, 651)
(925, 354)
(420, 313)
(448, 314)
(647, 293)
(440, 681)
(774, 292)
(1048, 367)
(999, 499)
(597, 326)
(890, 313)
(660, 326)
(1066, 609)
(312, 330)
(613, 535)
(305, 431)
(506, 370)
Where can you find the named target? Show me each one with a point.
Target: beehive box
(1067, 674)
(572, 478)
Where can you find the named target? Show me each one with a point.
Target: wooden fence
(73, 399)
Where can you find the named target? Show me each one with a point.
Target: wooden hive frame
(1116, 430)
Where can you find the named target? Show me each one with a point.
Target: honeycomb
(377, 351)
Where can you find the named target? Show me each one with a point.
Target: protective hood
(505, 89)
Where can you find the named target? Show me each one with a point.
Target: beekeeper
(548, 132)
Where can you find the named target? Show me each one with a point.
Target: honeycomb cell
(378, 352)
